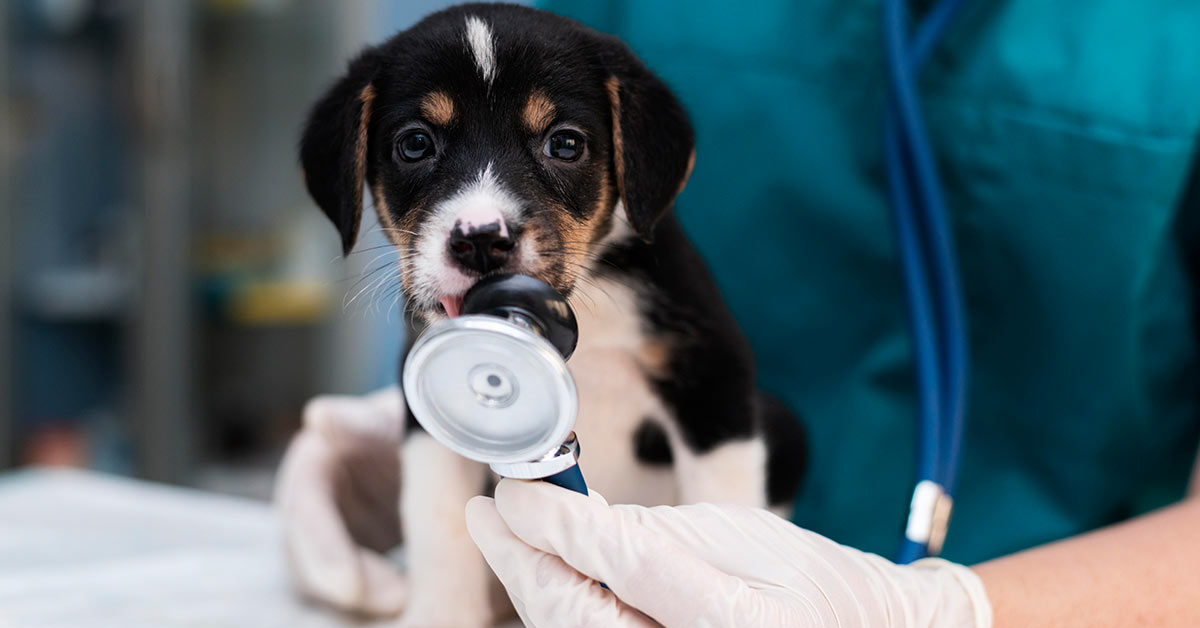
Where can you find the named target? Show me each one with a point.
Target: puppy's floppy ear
(333, 149)
(653, 145)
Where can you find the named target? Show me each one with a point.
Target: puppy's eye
(415, 146)
(564, 145)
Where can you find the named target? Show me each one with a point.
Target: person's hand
(700, 565)
(337, 495)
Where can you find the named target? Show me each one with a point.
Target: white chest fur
(615, 396)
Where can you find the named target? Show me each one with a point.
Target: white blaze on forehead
(483, 47)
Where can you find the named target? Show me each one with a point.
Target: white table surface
(84, 550)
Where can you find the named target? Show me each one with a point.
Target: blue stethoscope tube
(932, 289)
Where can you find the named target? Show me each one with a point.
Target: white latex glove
(337, 496)
(700, 565)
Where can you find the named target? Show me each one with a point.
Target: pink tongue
(452, 305)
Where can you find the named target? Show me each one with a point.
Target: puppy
(502, 139)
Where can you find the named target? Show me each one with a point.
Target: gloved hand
(701, 565)
(337, 495)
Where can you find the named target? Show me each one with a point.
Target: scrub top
(1065, 133)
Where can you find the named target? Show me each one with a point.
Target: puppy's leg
(733, 472)
(765, 468)
(787, 454)
(448, 578)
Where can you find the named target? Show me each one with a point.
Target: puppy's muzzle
(481, 248)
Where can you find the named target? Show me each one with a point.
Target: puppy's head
(496, 138)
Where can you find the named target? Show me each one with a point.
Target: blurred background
(169, 296)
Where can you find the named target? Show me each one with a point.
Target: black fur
(787, 449)
(657, 141)
(327, 150)
(650, 444)
(710, 382)
(710, 378)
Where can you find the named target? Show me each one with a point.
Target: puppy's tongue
(452, 305)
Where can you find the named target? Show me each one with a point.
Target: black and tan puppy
(498, 138)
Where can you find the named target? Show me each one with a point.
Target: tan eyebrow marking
(438, 108)
(539, 112)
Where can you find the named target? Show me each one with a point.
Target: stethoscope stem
(571, 479)
(559, 467)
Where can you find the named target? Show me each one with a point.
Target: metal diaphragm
(490, 390)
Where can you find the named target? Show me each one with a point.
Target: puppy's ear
(653, 145)
(333, 150)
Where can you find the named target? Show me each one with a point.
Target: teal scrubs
(1064, 132)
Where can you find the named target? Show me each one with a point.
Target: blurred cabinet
(168, 293)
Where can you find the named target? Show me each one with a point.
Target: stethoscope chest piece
(492, 385)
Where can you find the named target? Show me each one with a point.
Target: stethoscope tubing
(926, 248)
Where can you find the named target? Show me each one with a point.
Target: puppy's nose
(481, 248)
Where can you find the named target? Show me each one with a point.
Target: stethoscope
(492, 384)
(933, 292)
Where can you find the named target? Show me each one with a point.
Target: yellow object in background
(279, 303)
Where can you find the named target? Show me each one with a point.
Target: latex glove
(701, 565)
(337, 496)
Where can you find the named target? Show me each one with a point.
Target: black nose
(481, 249)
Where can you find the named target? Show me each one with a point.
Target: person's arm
(1145, 571)
(1142, 572)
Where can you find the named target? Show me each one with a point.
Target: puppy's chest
(614, 357)
(614, 393)
(616, 396)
